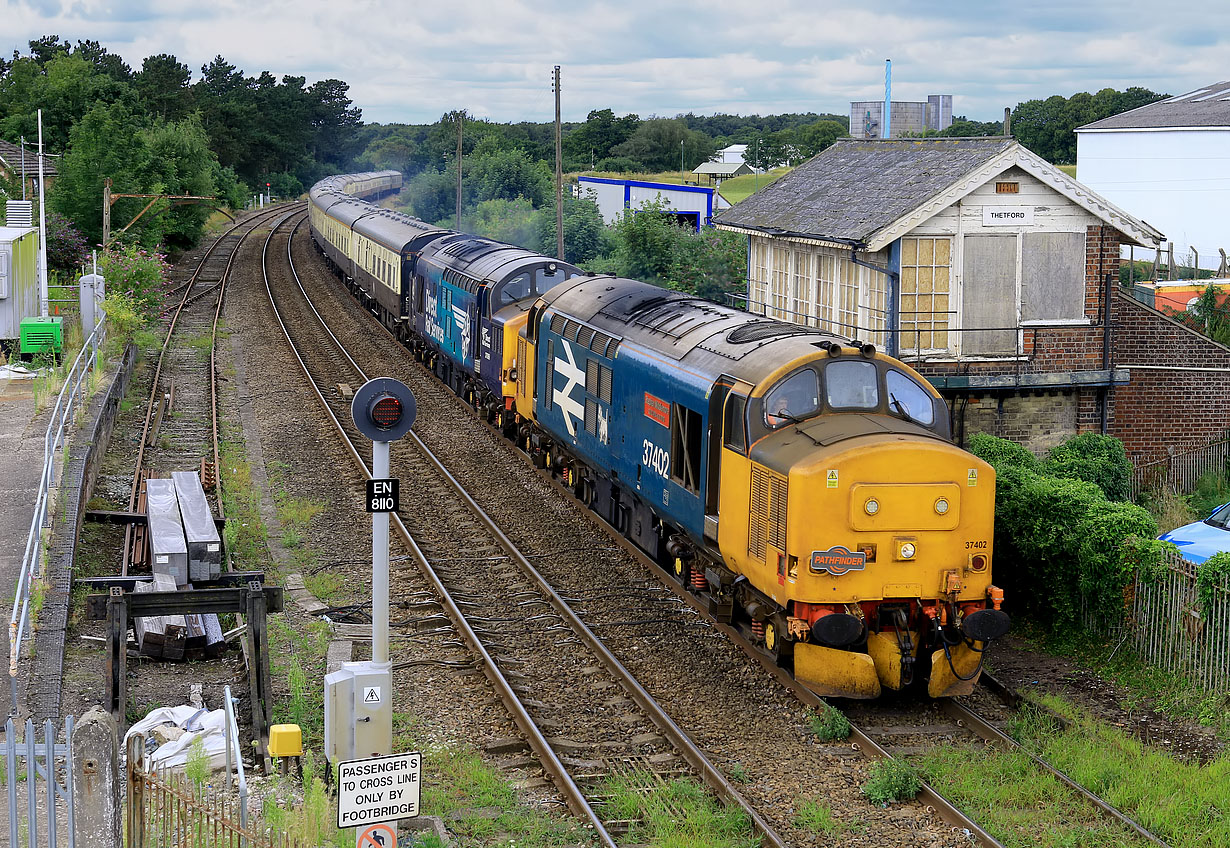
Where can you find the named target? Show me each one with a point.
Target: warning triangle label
(371, 694)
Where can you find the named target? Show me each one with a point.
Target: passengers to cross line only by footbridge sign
(378, 789)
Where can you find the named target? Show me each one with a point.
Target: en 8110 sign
(383, 495)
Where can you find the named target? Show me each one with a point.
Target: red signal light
(387, 412)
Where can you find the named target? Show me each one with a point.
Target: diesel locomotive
(803, 484)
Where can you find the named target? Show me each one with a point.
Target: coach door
(720, 402)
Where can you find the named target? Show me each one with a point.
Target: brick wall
(1166, 411)
(1038, 421)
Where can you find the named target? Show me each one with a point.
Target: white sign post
(379, 789)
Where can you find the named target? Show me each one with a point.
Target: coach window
(908, 399)
(852, 384)
(795, 398)
(734, 433)
(686, 446)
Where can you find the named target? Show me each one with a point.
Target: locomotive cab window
(734, 432)
(852, 384)
(908, 399)
(511, 291)
(793, 399)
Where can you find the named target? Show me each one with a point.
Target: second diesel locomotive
(804, 484)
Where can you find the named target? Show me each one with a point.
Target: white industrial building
(693, 205)
(1167, 163)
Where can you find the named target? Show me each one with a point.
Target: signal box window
(852, 384)
(795, 398)
(686, 446)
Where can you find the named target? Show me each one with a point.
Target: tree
(814, 138)
(659, 142)
(162, 85)
(508, 175)
(710, 264)
(601, 131)
(1047, 126)
(586, 236)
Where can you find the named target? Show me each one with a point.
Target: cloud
(412, 62)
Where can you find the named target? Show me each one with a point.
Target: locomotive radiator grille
(767, 522)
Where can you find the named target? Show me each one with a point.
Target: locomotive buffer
(359, 696)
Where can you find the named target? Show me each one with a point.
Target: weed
(738, 773)
(891, 780)
(197, 768)
(325, 585)
(828, 723)
(816, 817)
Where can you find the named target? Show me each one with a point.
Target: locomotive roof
(484, 258)
(708, 337)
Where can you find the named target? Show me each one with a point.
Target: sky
(412, 61)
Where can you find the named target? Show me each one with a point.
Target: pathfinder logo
(838, 561)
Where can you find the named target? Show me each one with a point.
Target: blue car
(1201, 539)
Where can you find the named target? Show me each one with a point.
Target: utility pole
(106, 211)
(42, 225)
(461, 120)
(559, 176)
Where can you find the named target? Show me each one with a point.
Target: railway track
(545, 663)
(180, 430)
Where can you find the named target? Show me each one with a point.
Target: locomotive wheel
(779, 649)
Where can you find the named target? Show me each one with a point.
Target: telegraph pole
(461, 119)
(559, 176)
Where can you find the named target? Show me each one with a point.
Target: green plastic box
(40, 334)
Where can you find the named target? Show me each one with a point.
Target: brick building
(991, 272)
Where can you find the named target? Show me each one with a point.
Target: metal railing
(232, 738)
(1169, 627)
(71, 394)
(1180, 472)
(49, 752)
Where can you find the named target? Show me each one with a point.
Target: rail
(71, 394)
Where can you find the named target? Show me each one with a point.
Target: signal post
(359, 696)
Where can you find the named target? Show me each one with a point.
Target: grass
(1169, 693)
(678, 813)
(479, 804)
(817, 817)
(1182, 803)
(1070, 170)
(244, 532)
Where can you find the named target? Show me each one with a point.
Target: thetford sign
(838, 560)
(1007, 216)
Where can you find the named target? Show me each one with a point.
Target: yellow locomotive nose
(892, 534)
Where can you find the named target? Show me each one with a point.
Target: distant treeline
(155, 131)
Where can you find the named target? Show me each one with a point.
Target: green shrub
(136, 272)
(1211, 576)
(892, 780)
(1059, 543)
(1212, 490)
(124, 320)
(1096, 459)
(1002, 453)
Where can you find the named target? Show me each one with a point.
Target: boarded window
(988, 312)
(1052, 276)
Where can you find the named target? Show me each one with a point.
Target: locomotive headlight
(872, 506)
(907, 550)
(941, 506)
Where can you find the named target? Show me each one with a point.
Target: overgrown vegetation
(1063, 532)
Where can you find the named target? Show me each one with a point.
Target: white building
(1167, 163)
(733, 154)
(694, 205)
